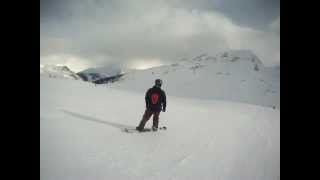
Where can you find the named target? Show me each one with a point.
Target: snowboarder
(155, 99)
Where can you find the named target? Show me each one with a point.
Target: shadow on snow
(93, 119)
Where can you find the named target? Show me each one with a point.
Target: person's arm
(147, 99)
(164, 106)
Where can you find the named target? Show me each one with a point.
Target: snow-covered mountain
(57, 71)
(102, 74)
(235, 75)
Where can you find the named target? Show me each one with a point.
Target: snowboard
(133, 130)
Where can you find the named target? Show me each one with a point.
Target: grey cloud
(109, 31)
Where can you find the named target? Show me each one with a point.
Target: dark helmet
(158, 82)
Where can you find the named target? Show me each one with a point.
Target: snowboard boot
(154, 128)
(138, 128)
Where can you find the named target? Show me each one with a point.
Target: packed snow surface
(81, 135)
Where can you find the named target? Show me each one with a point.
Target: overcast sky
(141, 33)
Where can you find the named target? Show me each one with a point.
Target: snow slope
(235, 75)
(81, 137)
(56, 71)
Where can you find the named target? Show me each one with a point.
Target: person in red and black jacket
(155, 102)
